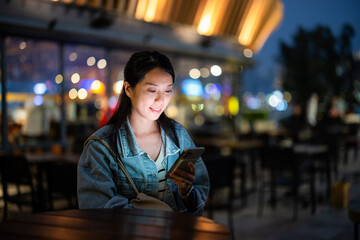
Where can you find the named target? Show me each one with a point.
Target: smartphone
(188, 155)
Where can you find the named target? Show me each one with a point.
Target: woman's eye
(168, 91)
(152, 91)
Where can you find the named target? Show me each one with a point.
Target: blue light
(253, 103)
(192, 87)
(281, 106)
(86, 83)
(39, 88)
(38, 100)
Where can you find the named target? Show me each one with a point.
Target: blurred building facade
(62, 61)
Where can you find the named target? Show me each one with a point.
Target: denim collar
(130, 148)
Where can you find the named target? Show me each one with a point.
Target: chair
(221, 173)
(354, 216)
(282, 168)
(61, 180)
(15, 170)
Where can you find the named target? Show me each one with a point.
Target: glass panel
(32, 93)
(86, 71)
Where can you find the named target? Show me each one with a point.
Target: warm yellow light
(272, 21)
(211, 16)
(101, 64)
(151, 11)
(194, 73)
(75, 78)
(248, 28)
(233, 105)
(90, 61)
(59, 78)
(219, 110)
(141, 8)
(82, 93)
(97, 87)
(260, 19)
(118, 86)
(73, 56)
(172, 111)
(73, 93)
(22, 45)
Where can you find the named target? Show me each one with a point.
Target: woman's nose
(160, 97)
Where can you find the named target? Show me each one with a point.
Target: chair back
(221, 170)
(15, 169)
(61, 179)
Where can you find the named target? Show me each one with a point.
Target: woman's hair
(139, 64)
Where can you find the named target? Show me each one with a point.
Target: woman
(146, 141)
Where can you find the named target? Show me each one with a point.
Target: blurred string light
(39, 88)
(216, 70)
(75, 78)
(97, 87)
(22, 45)
(204, 72)
(248, 53)
(73, 93)
(101, 64)
(82, 93)
(91, 61)
(233, 105)
(194, 73)
(73, 56)
(59, 78)
(38, 100)
(118, 86)
(192, 88)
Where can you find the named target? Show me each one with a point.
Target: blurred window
(33, 98)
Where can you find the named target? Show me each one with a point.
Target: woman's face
(151, 95)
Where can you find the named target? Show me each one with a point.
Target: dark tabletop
(111, 224)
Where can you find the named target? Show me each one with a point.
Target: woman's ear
(127, 89)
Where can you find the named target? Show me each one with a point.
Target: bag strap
(117, 159)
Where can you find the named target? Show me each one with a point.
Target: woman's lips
(155, 110)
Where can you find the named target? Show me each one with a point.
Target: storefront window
(33, 98)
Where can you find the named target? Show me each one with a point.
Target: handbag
(141, 200)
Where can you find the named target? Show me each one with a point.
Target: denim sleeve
(96, 188)
(201, 183)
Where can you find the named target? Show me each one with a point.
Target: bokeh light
(90, 61)
(75, 78)
(216, 70)
(39, 88)
(194, 73)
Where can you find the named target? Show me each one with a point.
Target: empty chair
(61, 180)
(15, 170)
(221, 173)
(282, 168)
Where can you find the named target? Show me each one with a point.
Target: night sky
(307, 14)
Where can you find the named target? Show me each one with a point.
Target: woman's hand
(184, 179)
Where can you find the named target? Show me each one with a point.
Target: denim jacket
(102, 184)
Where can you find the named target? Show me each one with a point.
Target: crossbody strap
(116, 158)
